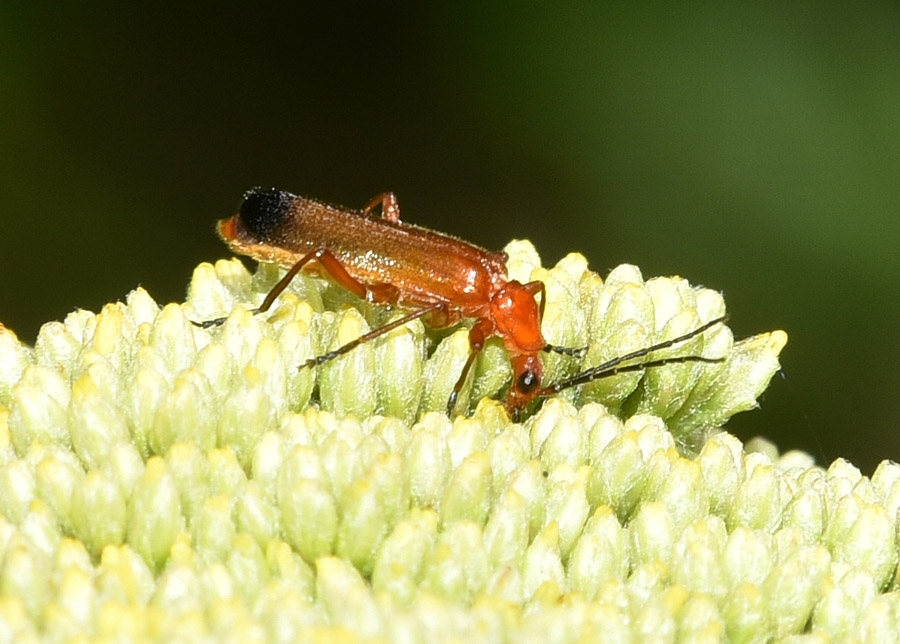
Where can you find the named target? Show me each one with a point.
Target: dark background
(752, 149)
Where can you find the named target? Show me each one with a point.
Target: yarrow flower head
(161, 482)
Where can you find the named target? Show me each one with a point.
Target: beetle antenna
(615, 366)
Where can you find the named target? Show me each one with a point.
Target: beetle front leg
(477, 335)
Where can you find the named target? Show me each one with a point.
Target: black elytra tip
(264, 210)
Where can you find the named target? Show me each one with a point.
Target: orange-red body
(390, 262)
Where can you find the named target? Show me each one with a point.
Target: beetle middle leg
(371, 335)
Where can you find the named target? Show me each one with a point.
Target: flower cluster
(162, 482)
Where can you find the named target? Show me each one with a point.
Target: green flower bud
(428, 462)
(468, 495)
(400, 360)
(225, 474)
(746, 373)
(880, 621)
(155, 514)
(697, 564)
(57, 475)
(529, 482)
(246, 415)
(7, 452)
(98, 513)
(556, 434)
(508, 451)
(652, 534)
(184, 415)
(40, 528)
(720, 464)
(683, 493)
(217, 288)
(655, 617)
(309, 517)
(96, 423)
(506, 532)
(542, 563)
(38, 409)
(567, 504)
(347, 383)
(172, 338)
(745, 615)
(346, 598)
(401, 559)
(289, 568)
(180, 593)
(56, 346)
(15, 357)
(837, 612)
(149, 389)
(247, 566)
(75, 606)
(296, 346)
(620, 323)
(747, 557)
(523, 260)
(442, 372)
(869, 545)
(256, 515)
(806, 512)
(618, 475)
(267, 457)
(212, 529)
(601, 554)
(363, 525)
(794, 586)
(491, 374)
(17, 489)
(459, 565)
(757, 502)
(24, 574)
(700, 620)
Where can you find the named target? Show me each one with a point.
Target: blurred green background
(750, 148)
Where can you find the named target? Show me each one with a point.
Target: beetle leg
(535, 287)
(382, 293)
(477, 336)
(390, 207)
(371, 335)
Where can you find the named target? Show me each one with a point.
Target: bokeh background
(754, 149)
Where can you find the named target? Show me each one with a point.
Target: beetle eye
(526, 382)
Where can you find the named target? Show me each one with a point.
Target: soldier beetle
(438, 277)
